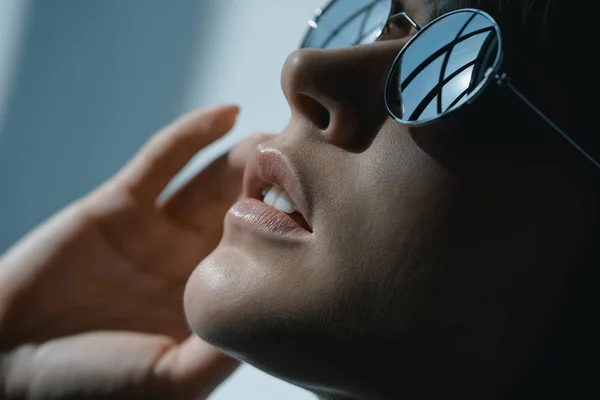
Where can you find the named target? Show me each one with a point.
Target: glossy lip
(266, 220)
(269, 166)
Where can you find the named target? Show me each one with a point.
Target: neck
(385, 373)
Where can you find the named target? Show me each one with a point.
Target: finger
(117, 364)
(206, 197)
(194, 368)
(240, 153)
(168, 151)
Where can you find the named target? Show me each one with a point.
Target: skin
(90, 301)
(436, 258)
(438, 253)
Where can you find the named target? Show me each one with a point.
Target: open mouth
(279, 199)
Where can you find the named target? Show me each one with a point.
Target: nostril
(314, 110)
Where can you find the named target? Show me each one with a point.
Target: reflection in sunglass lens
(446, 64)
(347, 23)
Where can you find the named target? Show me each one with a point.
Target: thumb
(243, 150)
(194, 368)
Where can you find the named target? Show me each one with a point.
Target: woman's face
(432, 246)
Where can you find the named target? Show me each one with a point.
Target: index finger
(169, 150)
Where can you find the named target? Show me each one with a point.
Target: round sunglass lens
(346, 23)
(445, 65)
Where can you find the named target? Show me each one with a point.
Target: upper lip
(269, 166)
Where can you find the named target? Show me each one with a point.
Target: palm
(125, 268)
(117, 261)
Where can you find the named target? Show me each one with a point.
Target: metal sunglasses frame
(319, 12)
(494, 75)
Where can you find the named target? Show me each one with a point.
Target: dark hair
(541, 54)
(564, 361)
(527, 26)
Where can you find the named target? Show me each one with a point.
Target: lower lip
(265, 220)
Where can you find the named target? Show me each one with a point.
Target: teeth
(285, 204)
(275, 197)
(272, 196)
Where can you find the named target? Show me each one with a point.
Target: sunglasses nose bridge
(342, 23)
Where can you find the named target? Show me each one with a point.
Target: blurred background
(84, 83)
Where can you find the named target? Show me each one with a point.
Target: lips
(266, 168)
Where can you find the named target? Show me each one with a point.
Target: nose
(340, 91)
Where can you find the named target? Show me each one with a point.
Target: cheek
(387, 200)
(381, 220)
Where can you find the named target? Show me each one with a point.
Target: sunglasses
(447, 64)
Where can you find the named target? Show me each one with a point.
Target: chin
(231, 300)
(230, 304)
(214, 300)
(271, 314)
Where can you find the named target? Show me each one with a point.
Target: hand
(91, 301)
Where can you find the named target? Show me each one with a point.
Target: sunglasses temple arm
(549, 122)
(407, 17)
